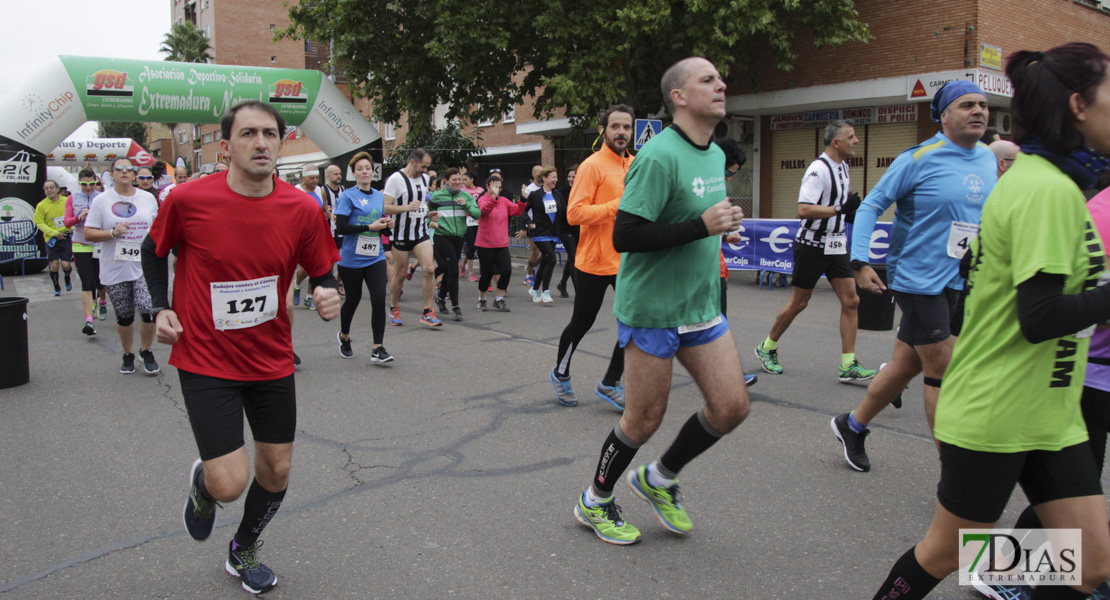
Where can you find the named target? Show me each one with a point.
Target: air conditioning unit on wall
(1002, 120)
(737, 129)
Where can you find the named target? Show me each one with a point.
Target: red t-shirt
(225, 238)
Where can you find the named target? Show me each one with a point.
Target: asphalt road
(452, 472)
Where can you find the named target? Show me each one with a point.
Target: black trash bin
(876, 311)
(15, 364)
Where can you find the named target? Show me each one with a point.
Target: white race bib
(98, 249)
(960, 237)
(836, 243)
(368, 245)
(550, 207)
(59, 222)
(128, 251)
(421, 212)
(700, 326)
(243, 304)
(471, 221)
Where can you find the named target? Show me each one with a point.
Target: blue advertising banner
(768, 244)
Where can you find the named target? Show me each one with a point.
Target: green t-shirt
(1002, 393)
(671, 181)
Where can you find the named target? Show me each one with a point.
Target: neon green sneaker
(664, 500)
(605, 519)
(855, 372)
(769, 359)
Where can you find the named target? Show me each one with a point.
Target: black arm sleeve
(1046, 312)
(343, 226)
(632, 233)
(156, 271)
(326, 280)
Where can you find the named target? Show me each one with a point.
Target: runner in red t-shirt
(230, 332)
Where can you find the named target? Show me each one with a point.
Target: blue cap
(948, 93)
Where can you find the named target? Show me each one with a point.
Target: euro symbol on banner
(878, 242)
(776, 237)
(743, 240)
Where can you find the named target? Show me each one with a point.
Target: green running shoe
(605, 519)
(854, 372)
(769, 359)
(663, 499)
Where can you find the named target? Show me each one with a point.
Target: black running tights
(447, 251)
(546, 266)
(589, 294)
(375, 278)
(494, 261)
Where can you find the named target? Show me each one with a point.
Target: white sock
(500, 298)
(654, 478)
(592, 500)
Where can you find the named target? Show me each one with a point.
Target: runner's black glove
(849, 207)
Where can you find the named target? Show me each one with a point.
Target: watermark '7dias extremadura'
(1021, 556)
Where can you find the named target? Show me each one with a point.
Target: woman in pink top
(493, 241)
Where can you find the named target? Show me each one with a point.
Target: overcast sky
(31, 33)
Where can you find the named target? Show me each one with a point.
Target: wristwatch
(858, 264)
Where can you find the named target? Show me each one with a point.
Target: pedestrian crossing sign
(645, 130)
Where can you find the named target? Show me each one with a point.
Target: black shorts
(61, 250)
(406, 246)
(811, 263)
(977, 485)
(88, 269)
(926, 319)
(216, 407)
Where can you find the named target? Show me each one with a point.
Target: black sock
(67, 276)
(616, 454)
(1028, 519)
(695, 437)
(54, 278)
(1058, 592)
(907, 580)
(258, 509)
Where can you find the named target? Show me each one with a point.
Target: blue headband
(948, 93)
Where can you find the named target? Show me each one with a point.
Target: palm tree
(185, 42)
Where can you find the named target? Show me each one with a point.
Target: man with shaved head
(668, 304)
(1005, 151)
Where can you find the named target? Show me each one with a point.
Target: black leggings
(88, 269)
(469, 238)
(570, 242)
(353, 278)
(589, 294)
(494, 261)
(546, 266)
(447, 251)
(1095, 405)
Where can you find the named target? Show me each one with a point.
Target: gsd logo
(110, 156)
(287, 91)
(69, 156)
(109, 83)
(91, 156)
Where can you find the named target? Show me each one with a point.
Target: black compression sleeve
(632, 233)
(343, 226)
(1046, 312)
(326, 280)
(156, 271)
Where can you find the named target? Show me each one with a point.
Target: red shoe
(412, 269)
(462, 269)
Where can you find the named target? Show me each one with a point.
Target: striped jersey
(410, 226)
(824, 184)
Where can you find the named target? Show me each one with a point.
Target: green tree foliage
(575, 55)
(185, 42)
(123, 129)
(448, 146)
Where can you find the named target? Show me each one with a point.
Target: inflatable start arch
(37, 116)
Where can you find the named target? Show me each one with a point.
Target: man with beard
(597, 190)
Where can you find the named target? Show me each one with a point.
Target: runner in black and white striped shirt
(405, 195)
(821, 248)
